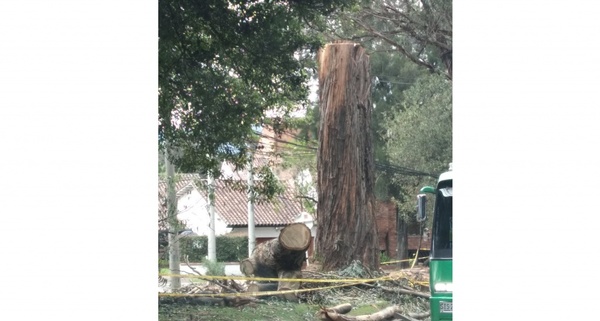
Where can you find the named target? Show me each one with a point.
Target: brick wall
(413, 242)
(385, 215)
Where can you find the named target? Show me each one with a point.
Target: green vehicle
(440, 260)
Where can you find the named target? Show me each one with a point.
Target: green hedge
(229, 249)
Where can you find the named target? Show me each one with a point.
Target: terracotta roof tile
(232, 206)
(231, 203)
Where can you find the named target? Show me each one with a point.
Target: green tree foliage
(393, 75)
(302, 154)
(229, 249)
(222, 64)
(214, 268)
(421, 30)
(419, 134)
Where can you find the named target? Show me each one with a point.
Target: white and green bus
(440, 260)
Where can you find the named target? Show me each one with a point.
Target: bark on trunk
(289, 285)
(280, 258)
(345, 215)
(262, 287)
(285, 253)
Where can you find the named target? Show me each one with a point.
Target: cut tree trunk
(289, 285)
(281, 257)
(345, 162)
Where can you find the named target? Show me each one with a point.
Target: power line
(307, 150)
(402, 170)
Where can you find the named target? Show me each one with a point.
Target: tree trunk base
(280, 258)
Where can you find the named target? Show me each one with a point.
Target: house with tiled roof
(231, 207)
(231, 204)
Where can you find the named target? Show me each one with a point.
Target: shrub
(214, 268)
(229, 249)
(163, 263)
(383, 257)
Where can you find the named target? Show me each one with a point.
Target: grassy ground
(272, 310)
(275, 311)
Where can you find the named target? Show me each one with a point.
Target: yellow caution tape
(400, 275)
(246, 294)
(244, 278)
(406, 260)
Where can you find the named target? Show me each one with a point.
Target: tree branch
(308, 198)
(404, 291)
(225, 287)
(397, 45)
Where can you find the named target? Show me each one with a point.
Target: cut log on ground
(339, 309)
(281, 257)
(287, 253)
(384, 314)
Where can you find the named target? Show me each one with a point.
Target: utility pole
(212, 242)
(251, 237)
(173, 224)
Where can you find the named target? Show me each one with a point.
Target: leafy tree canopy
(420, 136)
(222, 64)
(421, 30)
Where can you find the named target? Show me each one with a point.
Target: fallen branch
(339, 309)
(236, 286)
(419, 315)
(384, 314)
(237, 301)
(223, 286)
(404, 291)
(403, 318)
(411, 316)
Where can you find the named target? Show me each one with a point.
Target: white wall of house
(272, 232)
(192, 209)
(260, 232)
(307, 219)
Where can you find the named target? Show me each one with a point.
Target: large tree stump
(345, 162)
(280, 258)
